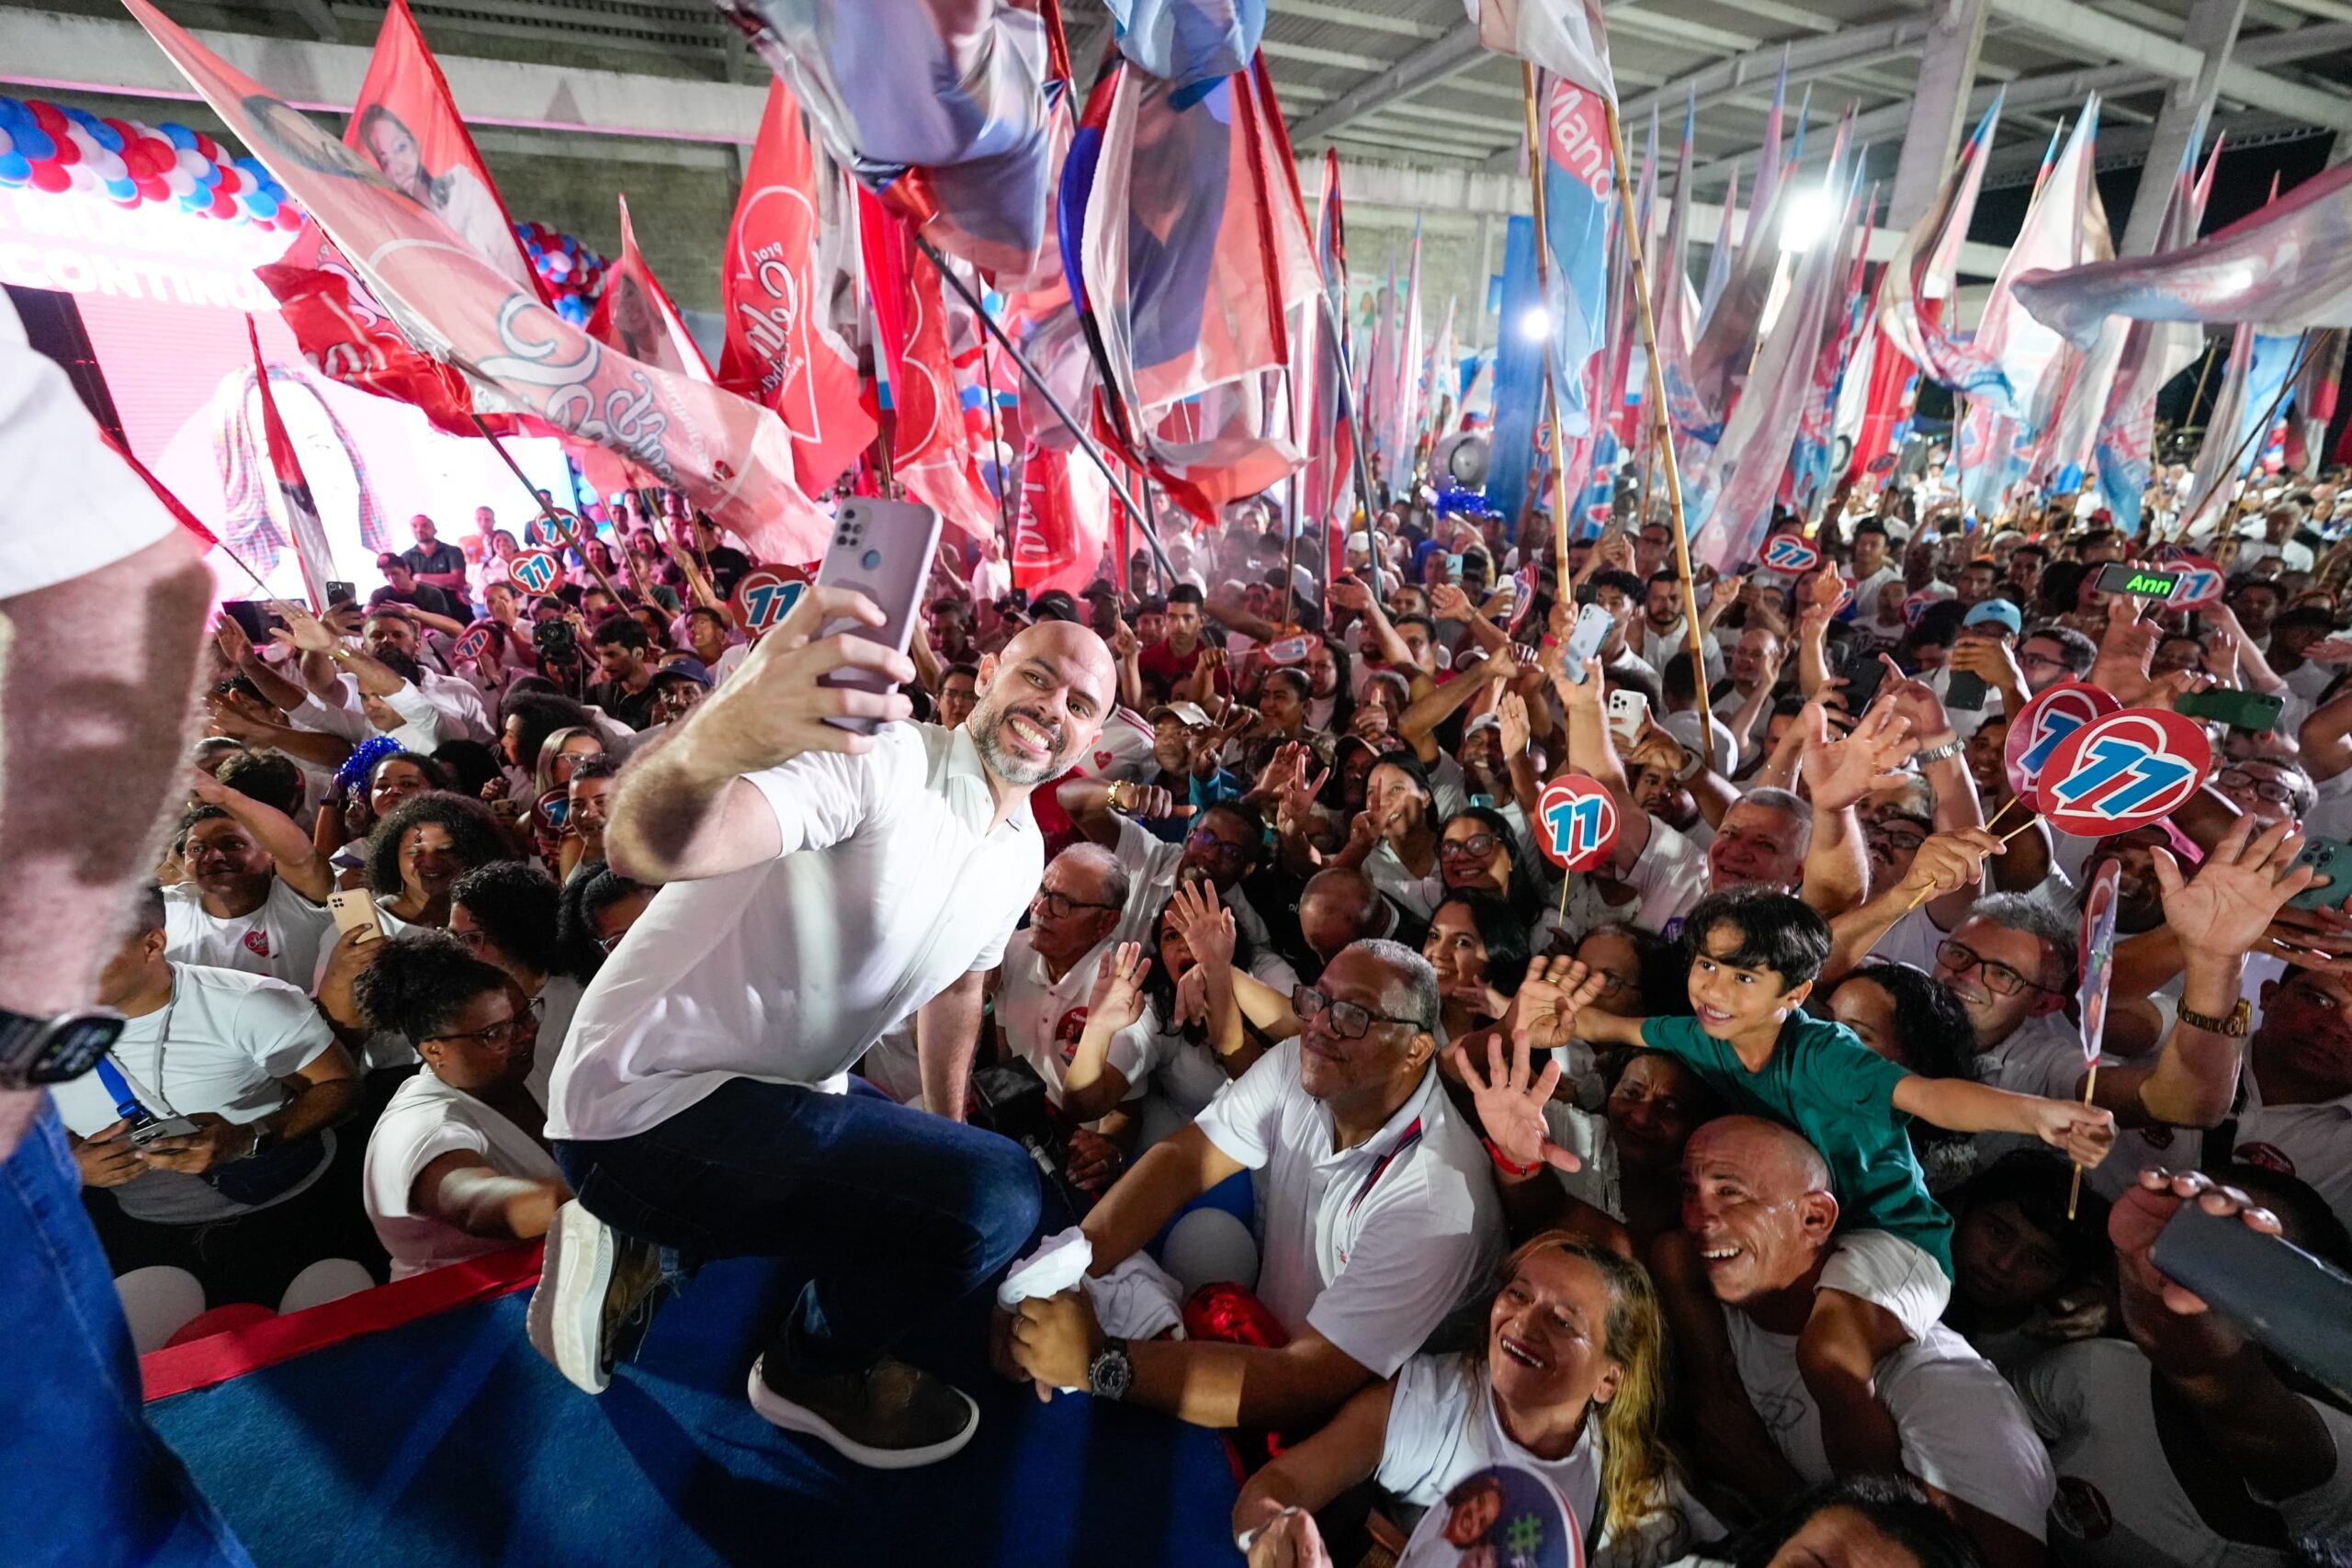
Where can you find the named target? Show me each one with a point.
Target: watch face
(72, 1048)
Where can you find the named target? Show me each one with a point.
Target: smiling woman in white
(458, 1164)
(1571, 1385)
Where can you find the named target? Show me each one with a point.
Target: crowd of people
(1187, 945)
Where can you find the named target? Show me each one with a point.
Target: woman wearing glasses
(458, 1164)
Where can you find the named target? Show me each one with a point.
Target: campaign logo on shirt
(2081, 1509)
(2269, 1156)
(2157, 1138)
(257, 941)
(1065, 1032)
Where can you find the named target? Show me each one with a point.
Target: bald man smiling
(819, 886)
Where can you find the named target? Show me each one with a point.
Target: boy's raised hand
(2083, 1133)
(1511, 1106)
(1543, 1014)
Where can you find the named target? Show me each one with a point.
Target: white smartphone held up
(1591, 630)
(882, 549)
(1628, 711)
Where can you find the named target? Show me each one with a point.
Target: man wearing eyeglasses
(1223, 845)
(1049, 970)
(1376, 1215)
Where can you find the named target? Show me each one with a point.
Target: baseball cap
(1187, 714)
(1993, 612)
(1303, 583)
(686, 667)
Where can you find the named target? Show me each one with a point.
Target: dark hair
(1411, 767)
(1304, 689)
(1677, 680)
(190, 818)
(1185, 593)
(2061, 583)
(592, 888)
(622, 630)
(147, 910)
(419, 985)
(2077, 651)
(1894, 1505)
(466, 765)
(596, 765)
(961, 668)
(435, 776)
(1243, 815)
(1938, 624)
(1663, 976)
(1503, 932)
(1665, 575)
(1427, 624)
(1625, 581)
(1778, 931)
(1937, 1035)
(1519, 889)
(472, 828)
(2038, 1182)
(541, 714)
(2307, 618)
(1631, 676)
(269, 777)
(517, 905)
(1871, 525)
(714, 617)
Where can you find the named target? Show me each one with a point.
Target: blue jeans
(83, 1479)
(893, 1214)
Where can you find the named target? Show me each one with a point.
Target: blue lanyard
(126, 1103)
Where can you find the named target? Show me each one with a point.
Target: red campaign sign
(2123, 771)
(560, 533)
(1522, 596)
(1577, 822)
(1790, 555)
(1292, 649)
(2099, 943)
(2201, 584)
(766, 596)
(476, 641)
(535, 570)
(2041, 723)
(1916, 605)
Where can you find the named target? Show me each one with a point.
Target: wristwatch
(1110, 1373)
(264, 1137)
(1927, 754)
(56, 1048)
(2235, 1023)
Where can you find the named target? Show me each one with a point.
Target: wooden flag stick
(2074, 1189)
(587, 532)
(1562, 590)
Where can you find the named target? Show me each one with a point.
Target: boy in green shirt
(1754, 957)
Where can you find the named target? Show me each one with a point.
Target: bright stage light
(1811, 216)
(1535, 324)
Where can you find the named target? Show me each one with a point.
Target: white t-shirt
(1672, 876)
(1122, 751)
(426, 1120)
(1442, 1427)
(558, 999)
(2043, 1056)
(891, 886)
(2120, 1503)
(1417, 896)
(1151, 865)
(1963, 1431)
(1042, 1018)
(1368, 1246)
(220, 1045)
(282, 939)
(2311, 1143)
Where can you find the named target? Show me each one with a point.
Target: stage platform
(444, 1441)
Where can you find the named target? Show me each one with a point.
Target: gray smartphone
(147, 1131)
(1584, 638)
(882, 549)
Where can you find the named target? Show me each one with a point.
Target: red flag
(634, 314)
(729, 456)
(348, 337)
(310, 535)
(1064, 518)
(405, 122)
(930, 445)
(171, 502)
(778, 352)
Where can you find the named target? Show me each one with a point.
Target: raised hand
(1204, 923)
(1948, 861)
(1512, 713)
(2245, 883)
(773, 710)
(2171, 1323)
(1117, 1000)
(1350, 594)
(302, 630)
(1509, 1098)
(230, 638)
(1448, 602)
(1543, 1014)
(1842, 772)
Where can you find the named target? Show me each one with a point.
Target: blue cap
(1996, 610)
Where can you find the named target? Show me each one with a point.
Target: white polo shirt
(2043, 1056)
(1672, 876)
(2311, 1143)
(1368, 1246)
(1963, 1431)
(890, 886)
(1042, 1018)
(282, 939)
(2119, 1503)
(220, 1045)
(426, 1120)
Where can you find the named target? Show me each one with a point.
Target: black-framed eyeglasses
(1058, 905)
(1901, 830)
(1206, 841)
(2271, 790)
(1349, 1022)
(1479, 846)
(1999, 978)
(502, 1035)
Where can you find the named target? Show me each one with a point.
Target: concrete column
(2212, 29)
(1938, 109)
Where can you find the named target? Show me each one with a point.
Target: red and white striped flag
(303, 526)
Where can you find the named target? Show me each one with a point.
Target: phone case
(2290, 1301)
(1584, 638)
(882, 549)
(2330, 859)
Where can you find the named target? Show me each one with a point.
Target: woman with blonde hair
(561, 751)
(1570, 1384)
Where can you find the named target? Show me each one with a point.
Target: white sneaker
(902, 1418)
(595, 1283)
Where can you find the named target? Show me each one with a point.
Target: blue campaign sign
(1579, 822)
(2124, 770)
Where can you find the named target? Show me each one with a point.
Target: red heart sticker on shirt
(1104, 759)
(257, 942)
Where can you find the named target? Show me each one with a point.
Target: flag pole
(1657, 396)
(996, 453)
(2232, 473)
(587, 529)
(1561, 593)
(1037, 384)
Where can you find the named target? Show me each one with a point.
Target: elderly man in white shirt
(819, 886)
(1756, 1196)
(1376, 1215)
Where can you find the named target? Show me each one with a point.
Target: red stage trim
(220, 1357)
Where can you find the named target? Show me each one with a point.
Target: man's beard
(986, 730)
(403, 665)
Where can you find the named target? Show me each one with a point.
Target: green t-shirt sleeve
(1680, 1038)
(1860, 1077)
